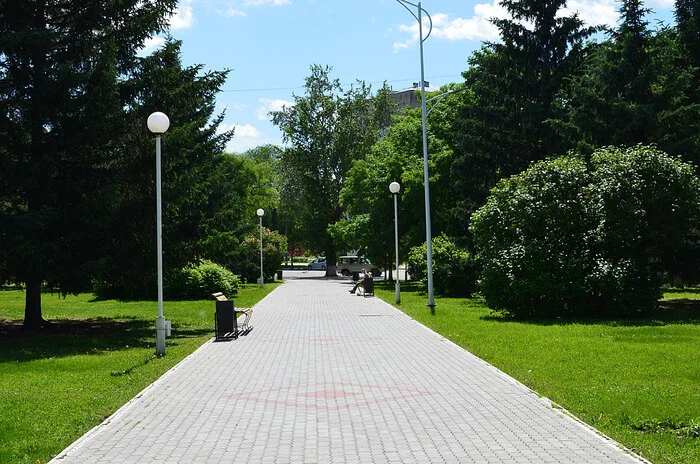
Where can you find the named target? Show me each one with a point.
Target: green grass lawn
(57, 384)
(638, 381)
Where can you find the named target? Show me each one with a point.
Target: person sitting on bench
(361, 281)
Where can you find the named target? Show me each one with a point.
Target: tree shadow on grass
(69, 337)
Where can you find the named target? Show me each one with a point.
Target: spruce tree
(637, 87)
(194, 192)
(685, 118)
(687, 15)
(503, 123)
(60, 107)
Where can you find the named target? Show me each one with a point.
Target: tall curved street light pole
(424, 115)
(158, 123)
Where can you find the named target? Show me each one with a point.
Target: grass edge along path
(637, 380)
(57, 384)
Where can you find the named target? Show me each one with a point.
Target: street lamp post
(424, 115)
(261, 212)
(158, 123)
(394, 188)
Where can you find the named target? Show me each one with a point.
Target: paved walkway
(328, 377)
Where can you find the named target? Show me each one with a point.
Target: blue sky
(270, 45)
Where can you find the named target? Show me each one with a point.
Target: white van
(349, 264)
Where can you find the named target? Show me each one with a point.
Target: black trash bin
(225, 324)
(279, 274)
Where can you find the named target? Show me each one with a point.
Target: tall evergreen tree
(193, 192)
(637, 87)
(683, 119)
(59, 108)
(503, 122)
(687, 15)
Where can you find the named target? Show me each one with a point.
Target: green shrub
(567, 237)
(454, 270)
(242, 257)
(248, 264)
(199, 281)
(531, 239)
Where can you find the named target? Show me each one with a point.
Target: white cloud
(183, 17)
(269, 105)
(593, 12)
(266, 2)
(231, 12)
(477, 27)
(245, 137)
(150, 45)
(243, 131)
(247, 131)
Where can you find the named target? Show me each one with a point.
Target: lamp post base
(160, 336)
(398, 291)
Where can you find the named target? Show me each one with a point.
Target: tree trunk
(35, 196)
(331, 259)
(32, 306)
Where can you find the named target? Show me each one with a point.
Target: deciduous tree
(327, 128)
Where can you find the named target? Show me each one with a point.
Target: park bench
(226, 325)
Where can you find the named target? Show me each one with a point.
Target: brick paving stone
(330, 377)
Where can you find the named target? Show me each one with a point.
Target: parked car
(317, 264)
(347, 265)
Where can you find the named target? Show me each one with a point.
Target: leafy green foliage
(531, 239)
(264, 161)
(245, 260)
(454, 269)
(199, 281)
(564, 237)
(327, 128)
(369, 205)
(369, 225)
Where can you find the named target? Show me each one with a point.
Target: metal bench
(226, 325)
